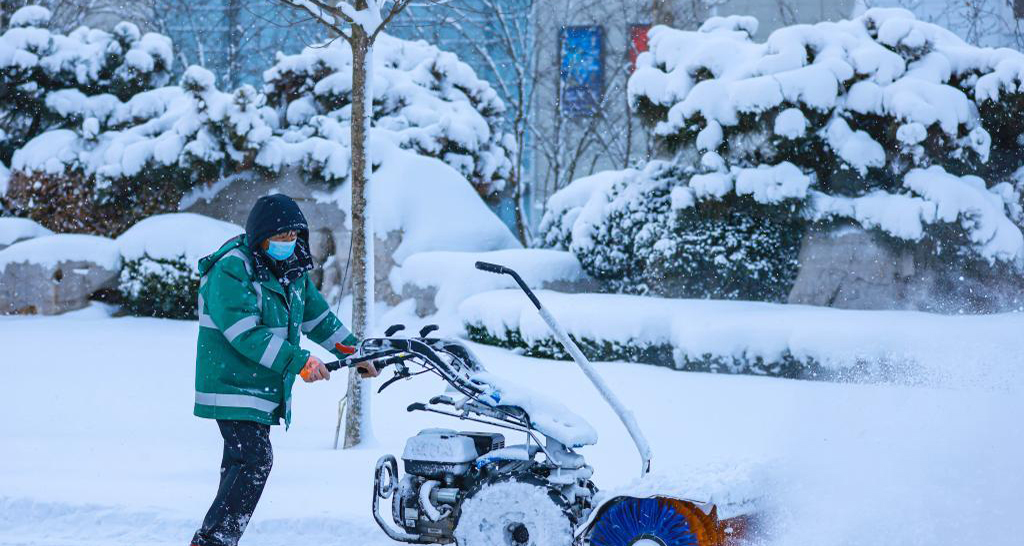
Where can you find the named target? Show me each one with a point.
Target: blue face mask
(281, 250)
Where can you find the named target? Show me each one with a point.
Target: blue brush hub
(643, 521)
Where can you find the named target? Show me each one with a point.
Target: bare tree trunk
(357, 417)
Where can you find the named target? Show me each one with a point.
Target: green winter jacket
(248, 353)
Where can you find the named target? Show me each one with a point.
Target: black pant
(248, 457)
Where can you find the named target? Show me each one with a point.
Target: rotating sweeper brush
(472, 489)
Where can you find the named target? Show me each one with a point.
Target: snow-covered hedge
(425, 100)
(792, 341)
(884, 121)
(160, 277)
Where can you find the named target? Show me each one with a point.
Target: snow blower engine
(473, 489)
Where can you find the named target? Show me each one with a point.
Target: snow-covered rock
(441, 280)
(418, 203)
(56, 273)
(175, 235)
(13, 230)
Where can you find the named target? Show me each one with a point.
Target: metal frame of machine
(446, 469)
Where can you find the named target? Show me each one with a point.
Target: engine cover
(435, 452)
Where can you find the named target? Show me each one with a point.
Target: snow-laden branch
(333, 14)
(368, 18)
(325, 13)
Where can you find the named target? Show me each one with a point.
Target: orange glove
(314, 370)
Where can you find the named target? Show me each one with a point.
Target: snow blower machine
(473, 489)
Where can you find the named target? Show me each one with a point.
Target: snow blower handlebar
(625, 415)
(381, 360)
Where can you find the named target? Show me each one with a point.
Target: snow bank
(730, 333)
(171, 236)
(454, 277)
(845, 461)
(13, 230)
(429, 202)
(50, 250)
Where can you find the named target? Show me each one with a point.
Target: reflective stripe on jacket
(248, 351)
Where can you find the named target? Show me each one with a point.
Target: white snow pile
(176, 235)
(991, 23)
(442, 213)
(50, 250)
(734, 332)
(453, 276)
(13, 230)
(735, 487)
(425, 100)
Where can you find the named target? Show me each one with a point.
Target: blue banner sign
(582, 70)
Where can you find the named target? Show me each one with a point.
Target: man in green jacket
(255, 298)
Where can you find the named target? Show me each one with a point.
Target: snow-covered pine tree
(52, 80)
(882, 121)
(426, 100)
(108, 148)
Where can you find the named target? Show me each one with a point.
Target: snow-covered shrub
(425, 100)
(157, 287)
(104, 176)
(883, 121)
(905, 128)
(160, 277)
(647, 231)
(54, 80)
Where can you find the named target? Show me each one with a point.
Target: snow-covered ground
(101, 448)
